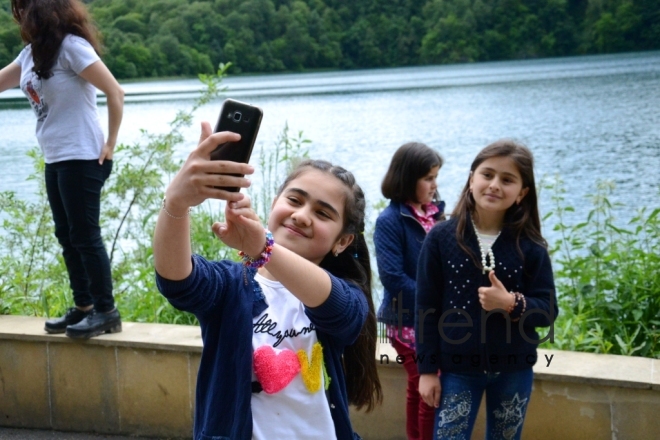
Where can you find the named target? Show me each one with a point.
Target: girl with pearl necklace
(480, 272)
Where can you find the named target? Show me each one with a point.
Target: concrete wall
(142, 382)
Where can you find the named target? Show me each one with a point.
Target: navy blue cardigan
(225, 297)
(453, 332)
(398, 239)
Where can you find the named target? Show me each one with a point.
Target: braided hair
(362, 383)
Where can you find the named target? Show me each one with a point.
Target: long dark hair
(353, 264)
(520, 219)
(410, 162)
(45, 23)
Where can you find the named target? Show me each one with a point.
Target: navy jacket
(225, 297)
(475, 340)
(398, 238)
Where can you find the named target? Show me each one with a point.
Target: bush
(607, 279)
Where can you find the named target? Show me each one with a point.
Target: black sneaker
(95, 324)
(72, 316)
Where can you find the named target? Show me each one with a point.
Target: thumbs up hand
(496, 296)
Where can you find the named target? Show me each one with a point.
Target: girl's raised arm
(194, 183)
(10, 76)
(308, 282)
(244, 231)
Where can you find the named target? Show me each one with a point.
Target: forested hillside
(156, 38)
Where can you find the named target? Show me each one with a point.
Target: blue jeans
(74, 195)
(507, 397)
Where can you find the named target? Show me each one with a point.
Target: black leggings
(74, 194)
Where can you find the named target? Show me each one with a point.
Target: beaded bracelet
(512, 307)
(162, 207)
(264, 257)
(520, 298)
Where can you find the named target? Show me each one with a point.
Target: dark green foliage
(10, 38)
(156, 38)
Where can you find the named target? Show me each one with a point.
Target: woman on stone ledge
(59, 71)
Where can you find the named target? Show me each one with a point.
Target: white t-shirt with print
(68, 125)
(279, 333)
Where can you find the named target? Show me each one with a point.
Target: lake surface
(584, 118)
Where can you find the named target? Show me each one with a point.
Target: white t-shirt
(300, 409)
(68, 125)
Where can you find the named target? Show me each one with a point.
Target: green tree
(295, 35)
(449, 41)
(606, 34)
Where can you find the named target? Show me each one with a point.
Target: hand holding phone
(241, 118)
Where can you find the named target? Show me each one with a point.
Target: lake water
(585, 118)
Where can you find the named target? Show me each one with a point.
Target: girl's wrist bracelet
(264, 257)
(519, 298)
(163, 208)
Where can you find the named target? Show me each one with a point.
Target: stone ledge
(141, 382)
(578, 367)
(566, 366)
(597, 369)
(184, 338)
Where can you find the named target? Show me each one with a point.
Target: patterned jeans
(507, 397)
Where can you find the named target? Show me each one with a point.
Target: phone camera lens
(237, 116)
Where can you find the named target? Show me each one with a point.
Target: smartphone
(241, 118)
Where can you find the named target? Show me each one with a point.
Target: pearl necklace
(484, 254)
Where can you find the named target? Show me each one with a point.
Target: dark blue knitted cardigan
(453, 332)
